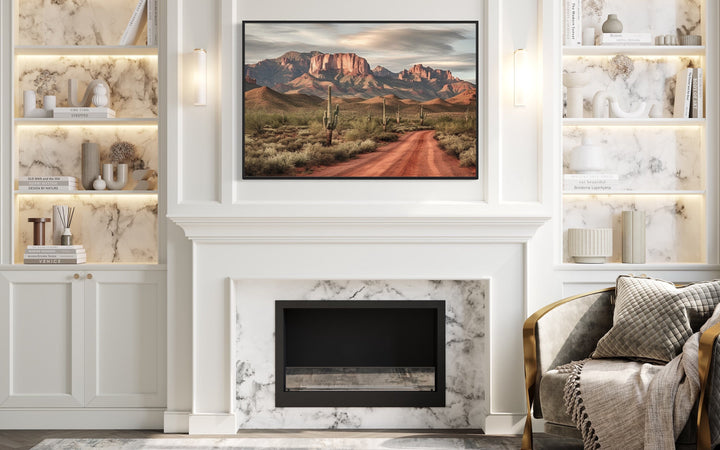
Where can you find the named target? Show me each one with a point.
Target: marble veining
(74, 22)
(111, 228)
(647, 158)
(466, 303)
(46, 150)
(658, 17)
(133, 80)
(633, 79)
(674, 230)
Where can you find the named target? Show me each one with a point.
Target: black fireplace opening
(360, 353)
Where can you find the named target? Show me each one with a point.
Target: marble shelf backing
(674, 224)
(112, 229)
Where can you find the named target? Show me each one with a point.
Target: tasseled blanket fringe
(575, 406)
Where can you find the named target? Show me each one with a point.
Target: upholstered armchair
(569, 330)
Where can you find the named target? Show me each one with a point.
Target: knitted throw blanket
(619, 404)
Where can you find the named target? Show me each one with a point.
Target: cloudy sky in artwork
(395, 46)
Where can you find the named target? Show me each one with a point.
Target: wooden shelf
(50, 122)
(89, 192)
(640, 122)
(636, 50)
(84, 50)
(630, 193)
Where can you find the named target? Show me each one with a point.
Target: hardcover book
(683, 94)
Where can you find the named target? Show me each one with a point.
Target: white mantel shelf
(359, 230)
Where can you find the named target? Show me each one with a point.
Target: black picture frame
(282, 113)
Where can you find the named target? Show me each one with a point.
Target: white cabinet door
(41, 339)
(124, 339)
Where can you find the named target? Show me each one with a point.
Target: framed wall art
(360, 100)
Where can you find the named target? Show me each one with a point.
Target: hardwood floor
(26, 439)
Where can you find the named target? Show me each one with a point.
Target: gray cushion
(551, 397)
(653, 318)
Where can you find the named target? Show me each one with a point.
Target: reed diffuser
(66, 219)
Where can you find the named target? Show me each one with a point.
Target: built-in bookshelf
(51, 45)
(665, 164)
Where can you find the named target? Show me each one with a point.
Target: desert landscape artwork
(360, 100)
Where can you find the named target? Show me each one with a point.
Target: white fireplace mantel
(225, 249)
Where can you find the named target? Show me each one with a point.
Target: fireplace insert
(360, 353)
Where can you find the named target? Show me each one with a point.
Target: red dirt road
(415, 154)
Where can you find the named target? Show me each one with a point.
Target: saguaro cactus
(385, 119)
(422, 115)
(330, 118)
(397, 117)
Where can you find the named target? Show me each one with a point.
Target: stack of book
(624, 39)
(84, 112)
(689, 94)
(597, 182)
(55, 254)
(47, 184)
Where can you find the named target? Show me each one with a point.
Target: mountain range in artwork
(332, 115)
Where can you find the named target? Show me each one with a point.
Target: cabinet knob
(76, 276)
(89, 276)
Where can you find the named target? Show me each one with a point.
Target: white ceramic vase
(115, 183)
(574, 82)
(590, 245)
(587, 158)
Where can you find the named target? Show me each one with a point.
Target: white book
(47, 183)
(152, 22)
(55, 256)
(683, 94)
(83, 116)
(591, 176)
(573, 23)
(697, 94)
(85, 109)
(135, 24)
(54, 247)
(46, 178)
(49, 188)
(54, 261)
(624, 39)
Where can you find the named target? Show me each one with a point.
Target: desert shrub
(468, 158)
(367, 146)
(386, 137)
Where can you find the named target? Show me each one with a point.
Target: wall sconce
(521, 77)
(200, 56)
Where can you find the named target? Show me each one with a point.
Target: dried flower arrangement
(122, 151)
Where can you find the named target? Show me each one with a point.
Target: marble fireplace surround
(239, 264)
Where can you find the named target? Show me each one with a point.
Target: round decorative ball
(99, 184)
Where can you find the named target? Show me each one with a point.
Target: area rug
(410, 442)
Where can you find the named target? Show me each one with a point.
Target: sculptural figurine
(89, 93)
(30, 108)
(606, 104)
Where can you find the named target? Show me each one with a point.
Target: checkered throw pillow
(653, 318)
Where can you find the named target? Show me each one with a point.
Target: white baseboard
(81, 419)
(176, 422)
(504, 424)
(212, 424)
